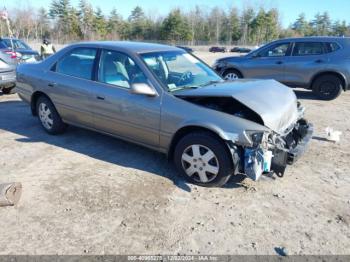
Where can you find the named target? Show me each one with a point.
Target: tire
(7, 90)
(203, 159)
(232, 74)
(327, 87)
(48, 116)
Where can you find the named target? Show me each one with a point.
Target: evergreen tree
(175, 27)
(137, 23)
(86, 18)
(100, 25)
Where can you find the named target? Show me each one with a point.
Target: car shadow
(16, 118)
(305, 94)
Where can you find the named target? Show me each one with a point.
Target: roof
(316, 38)
(137, 47)
(8, 38)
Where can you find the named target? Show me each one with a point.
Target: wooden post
(10, 194)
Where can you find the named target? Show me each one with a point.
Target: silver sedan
(169, 100)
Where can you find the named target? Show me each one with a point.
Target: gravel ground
(86, 193)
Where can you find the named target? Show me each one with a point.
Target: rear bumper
(8, 77)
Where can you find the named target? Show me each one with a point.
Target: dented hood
(274, 102)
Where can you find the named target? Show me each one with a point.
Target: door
(116, 110)
(268, 64)
(307, 59)
(69, 85)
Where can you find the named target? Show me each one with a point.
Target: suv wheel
(327, 87)
(231, 74)
(49, 117)
(203, 159)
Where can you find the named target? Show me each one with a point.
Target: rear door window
(78, 63)
(331, 47)
(308, 48)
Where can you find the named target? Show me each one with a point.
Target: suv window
(119, 69)
(78, 63)
(17, 44)
(308, 48)
(331, 47)
(275, 51)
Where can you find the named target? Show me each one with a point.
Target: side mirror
(256, 55)
(142, 89)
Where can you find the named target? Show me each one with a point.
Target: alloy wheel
(231, 76)
(45, 116)
(200, 163)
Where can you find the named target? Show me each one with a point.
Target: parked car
(166, 99)
(21, 50)
(7, 73)
(237, 49)
(217, 49)
(186, 48)
(317, 63)
(245, 50)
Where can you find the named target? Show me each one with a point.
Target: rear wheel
(231, 74)
(327, 87)
(203, 159)
(49, 117)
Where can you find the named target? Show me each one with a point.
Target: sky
(289, 9)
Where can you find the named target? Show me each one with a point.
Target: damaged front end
(275, 132)
(271, 153)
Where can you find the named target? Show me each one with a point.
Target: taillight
(12, 54)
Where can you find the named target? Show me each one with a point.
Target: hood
(234, 58)
(275, 103)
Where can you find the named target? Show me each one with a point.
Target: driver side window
(275, 51)
(119, 69)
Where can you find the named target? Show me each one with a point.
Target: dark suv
(318, 63)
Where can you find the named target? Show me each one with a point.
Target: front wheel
(327, 87)
(231, 74)
(203, 159)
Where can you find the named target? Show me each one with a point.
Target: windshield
(17, 44)
(178, 70)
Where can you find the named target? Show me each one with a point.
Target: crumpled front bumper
(259, 160)
(282, 158)
(295, 153)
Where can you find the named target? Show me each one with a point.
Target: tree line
(63, 22)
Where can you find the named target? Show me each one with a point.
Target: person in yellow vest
(47, 49)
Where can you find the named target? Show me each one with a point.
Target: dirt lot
(85, 193)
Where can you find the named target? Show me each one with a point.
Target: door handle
(279, 62)
(100, 97)
(52, 84)
(319, 61)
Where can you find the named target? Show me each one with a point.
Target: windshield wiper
(184, 87)
(213, 82)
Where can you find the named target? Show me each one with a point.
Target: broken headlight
(255, 137)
